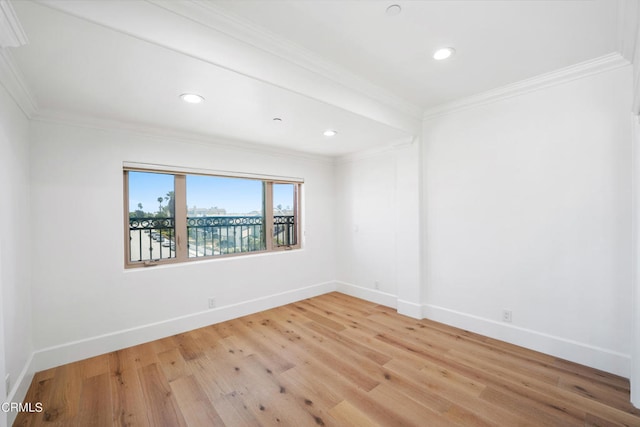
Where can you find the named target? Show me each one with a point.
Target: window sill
(219, 258)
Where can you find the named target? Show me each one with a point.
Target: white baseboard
(82, 349)
(596, 357)
(367, 294)
(410, 309)
(20, 388)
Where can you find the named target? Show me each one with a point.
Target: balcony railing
(151, 238)
(284, 230)
(154, 238)
(221, 235)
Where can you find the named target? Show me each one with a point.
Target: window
(284, 201)
(177, 216)
(151, 219)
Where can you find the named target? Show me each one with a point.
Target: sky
(236, 195)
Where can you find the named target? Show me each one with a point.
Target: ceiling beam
(202, 33)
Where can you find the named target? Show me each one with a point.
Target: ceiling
(317, 65)
(497, 42)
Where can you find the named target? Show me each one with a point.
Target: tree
(171, 203)
(160, 199)
(138, 213)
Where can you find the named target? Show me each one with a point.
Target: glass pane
(284, 229)
(224, 215)
(151, 216)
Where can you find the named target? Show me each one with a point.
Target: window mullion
(268, 215)
(182, 242)
(296, 214)
(127, 229)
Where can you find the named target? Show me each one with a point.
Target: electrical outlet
(376, 284)
(212, 302)
(506, 315)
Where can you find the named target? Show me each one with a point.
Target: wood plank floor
(331, 360)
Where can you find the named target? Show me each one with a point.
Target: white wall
(635, 352)
(377, 208)
(528, 208)
(81, 289)
(409, 230)
(15, 249)
(635, 371)
(3, 358)
(365, 199)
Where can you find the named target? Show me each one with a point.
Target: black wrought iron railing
(221, 235)
(154, 238)
(284, 230)
(151, 238)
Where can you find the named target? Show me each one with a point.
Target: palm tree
(171, 203)
(160, 199)
(139, 213)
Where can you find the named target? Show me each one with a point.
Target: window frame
(180, 214)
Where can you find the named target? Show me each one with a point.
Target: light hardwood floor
(331, 360)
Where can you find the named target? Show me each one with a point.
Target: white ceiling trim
(212, 16)
(12, 80)
(11, 32)
(563, 75)
(161, 134)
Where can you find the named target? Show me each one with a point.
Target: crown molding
(213, 16)
(604, 63)
(89, 122)
(11, 32)
(11, 79)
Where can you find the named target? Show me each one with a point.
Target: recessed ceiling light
(192, 98)
(443, 53)
(394, 10)
(330, 132)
